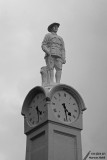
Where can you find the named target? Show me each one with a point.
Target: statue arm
(45, 44)
(63, 52)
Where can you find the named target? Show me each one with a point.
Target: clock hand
(65, 109)
(38, 112)
(69, 113)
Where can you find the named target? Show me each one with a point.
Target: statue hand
(47, 52)
(64, 61)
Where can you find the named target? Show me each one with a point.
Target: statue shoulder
(47, 36)
(60, 38)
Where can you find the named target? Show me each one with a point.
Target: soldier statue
(53, 46)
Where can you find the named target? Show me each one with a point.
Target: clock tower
(53, 123)
(53, 112)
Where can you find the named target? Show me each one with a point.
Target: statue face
(55, 28)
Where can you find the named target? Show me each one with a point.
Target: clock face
(64, 106)
(37, 110)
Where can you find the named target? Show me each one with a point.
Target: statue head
(50, 27)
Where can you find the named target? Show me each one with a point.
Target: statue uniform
(53, 46)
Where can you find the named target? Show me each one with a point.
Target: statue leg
(58, 67)
(58, 75)
(51, 75)
(50, 65)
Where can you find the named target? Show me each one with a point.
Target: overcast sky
(23, 25)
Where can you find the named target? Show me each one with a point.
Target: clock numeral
(30, 107)
(64, 94)
(44, 105)
(44, 99)
(55, 97)
(40, 118)
(70, 98)
(54, 110)
(53, 103)
(33, 101)
(58, 116)
(65, 120)
(30, 119)
(59, 94)
(74, 116)
(69, 119)
(37, 97)
(74, 104)
(33, 122)
(75, 110)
